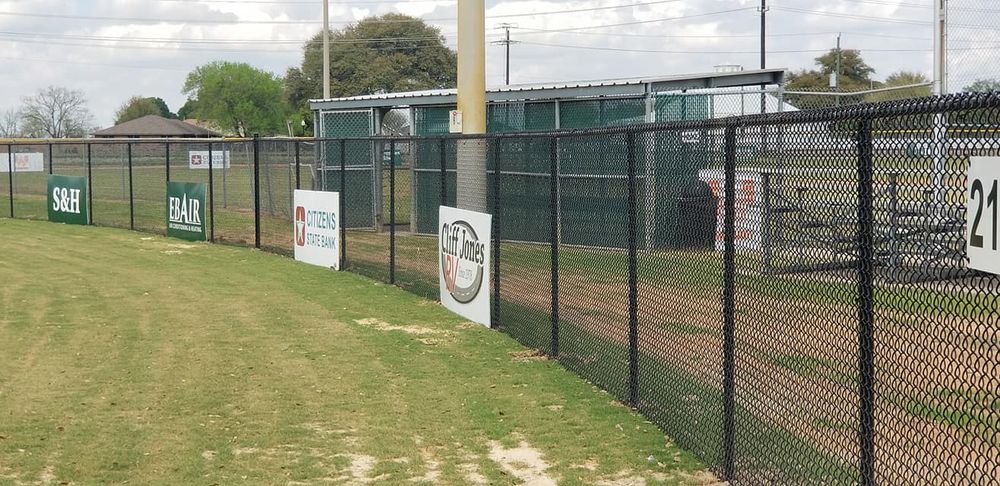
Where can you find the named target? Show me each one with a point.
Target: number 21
(976, 239)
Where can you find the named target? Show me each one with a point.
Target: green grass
(133, 358)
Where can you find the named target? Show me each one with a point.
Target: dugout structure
(588, 187)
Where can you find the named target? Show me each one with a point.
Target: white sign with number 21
(981, 214)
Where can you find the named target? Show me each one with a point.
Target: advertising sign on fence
(317, 228)
(464, 262)
(24, 162)
(186, 210)
(981, 214)
(749, 211)
(198, 159)
(68, 199)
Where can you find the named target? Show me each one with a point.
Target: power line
(181, 40)
(789, 51)
(301, 22)
(532, 31)
(638, 22)
(853, 16)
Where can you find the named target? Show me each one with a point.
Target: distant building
(155, 126)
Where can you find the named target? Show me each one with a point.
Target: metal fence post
(495, 317)
(211, 195)
(865, 268)
(256, 190)
(131, 196)
(728, 305)
(444, 172)
(633, 280)
(90, 186)
(298, 165)
(10, 178)
(52, 161)
(392, 212)
(167, 159)
(343, 205)
(554, 241)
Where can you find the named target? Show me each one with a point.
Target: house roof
(156, 126)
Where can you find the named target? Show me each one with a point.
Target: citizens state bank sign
(464, 262)
(317, 228)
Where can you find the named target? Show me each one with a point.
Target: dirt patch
(523, 462)
(380, 325)
(529, 355)
(208, 455)
(554, 408)
(48, 475)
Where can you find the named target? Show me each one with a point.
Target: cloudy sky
(113, 49)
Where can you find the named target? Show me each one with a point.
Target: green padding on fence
(682, 107)
(520, 117)
(431, 120)
(601, 113)
(359, 190)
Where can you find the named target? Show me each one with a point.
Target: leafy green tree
(384, 54)
(186, 111)
(238, 97)
(855, 75)
(138, 107)
(902, 79)
(982, 86)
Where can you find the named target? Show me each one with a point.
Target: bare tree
(10, 124)
(55, 112)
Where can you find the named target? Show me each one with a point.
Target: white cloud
(43, 53)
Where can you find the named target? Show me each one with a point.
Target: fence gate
(350, 162)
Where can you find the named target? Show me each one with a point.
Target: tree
(186, 111)
(855, 75)
(384, 54)
(238, 97)
(911, 83)
(10, 124)
(55, 112)
(138, 107)
(982, 86)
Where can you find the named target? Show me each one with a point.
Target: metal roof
(554, 91)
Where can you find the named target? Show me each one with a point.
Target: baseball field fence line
(788, 296)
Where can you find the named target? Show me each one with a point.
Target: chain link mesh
(788, 296)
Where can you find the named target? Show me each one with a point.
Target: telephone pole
(506, 42)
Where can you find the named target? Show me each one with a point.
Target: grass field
(133, 358)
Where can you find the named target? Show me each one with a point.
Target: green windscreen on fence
(359, 181)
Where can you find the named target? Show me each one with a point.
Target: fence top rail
(873, 111)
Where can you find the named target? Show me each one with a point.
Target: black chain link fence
(788, 296)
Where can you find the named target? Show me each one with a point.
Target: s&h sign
(317, 228)
(68, 200)
(464, 262)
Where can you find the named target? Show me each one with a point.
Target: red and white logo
(300, 225)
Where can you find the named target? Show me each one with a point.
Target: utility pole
(836, 72)
(506, 42)
(326, 49)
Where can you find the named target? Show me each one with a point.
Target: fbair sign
(317, 228)
(464, 262)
